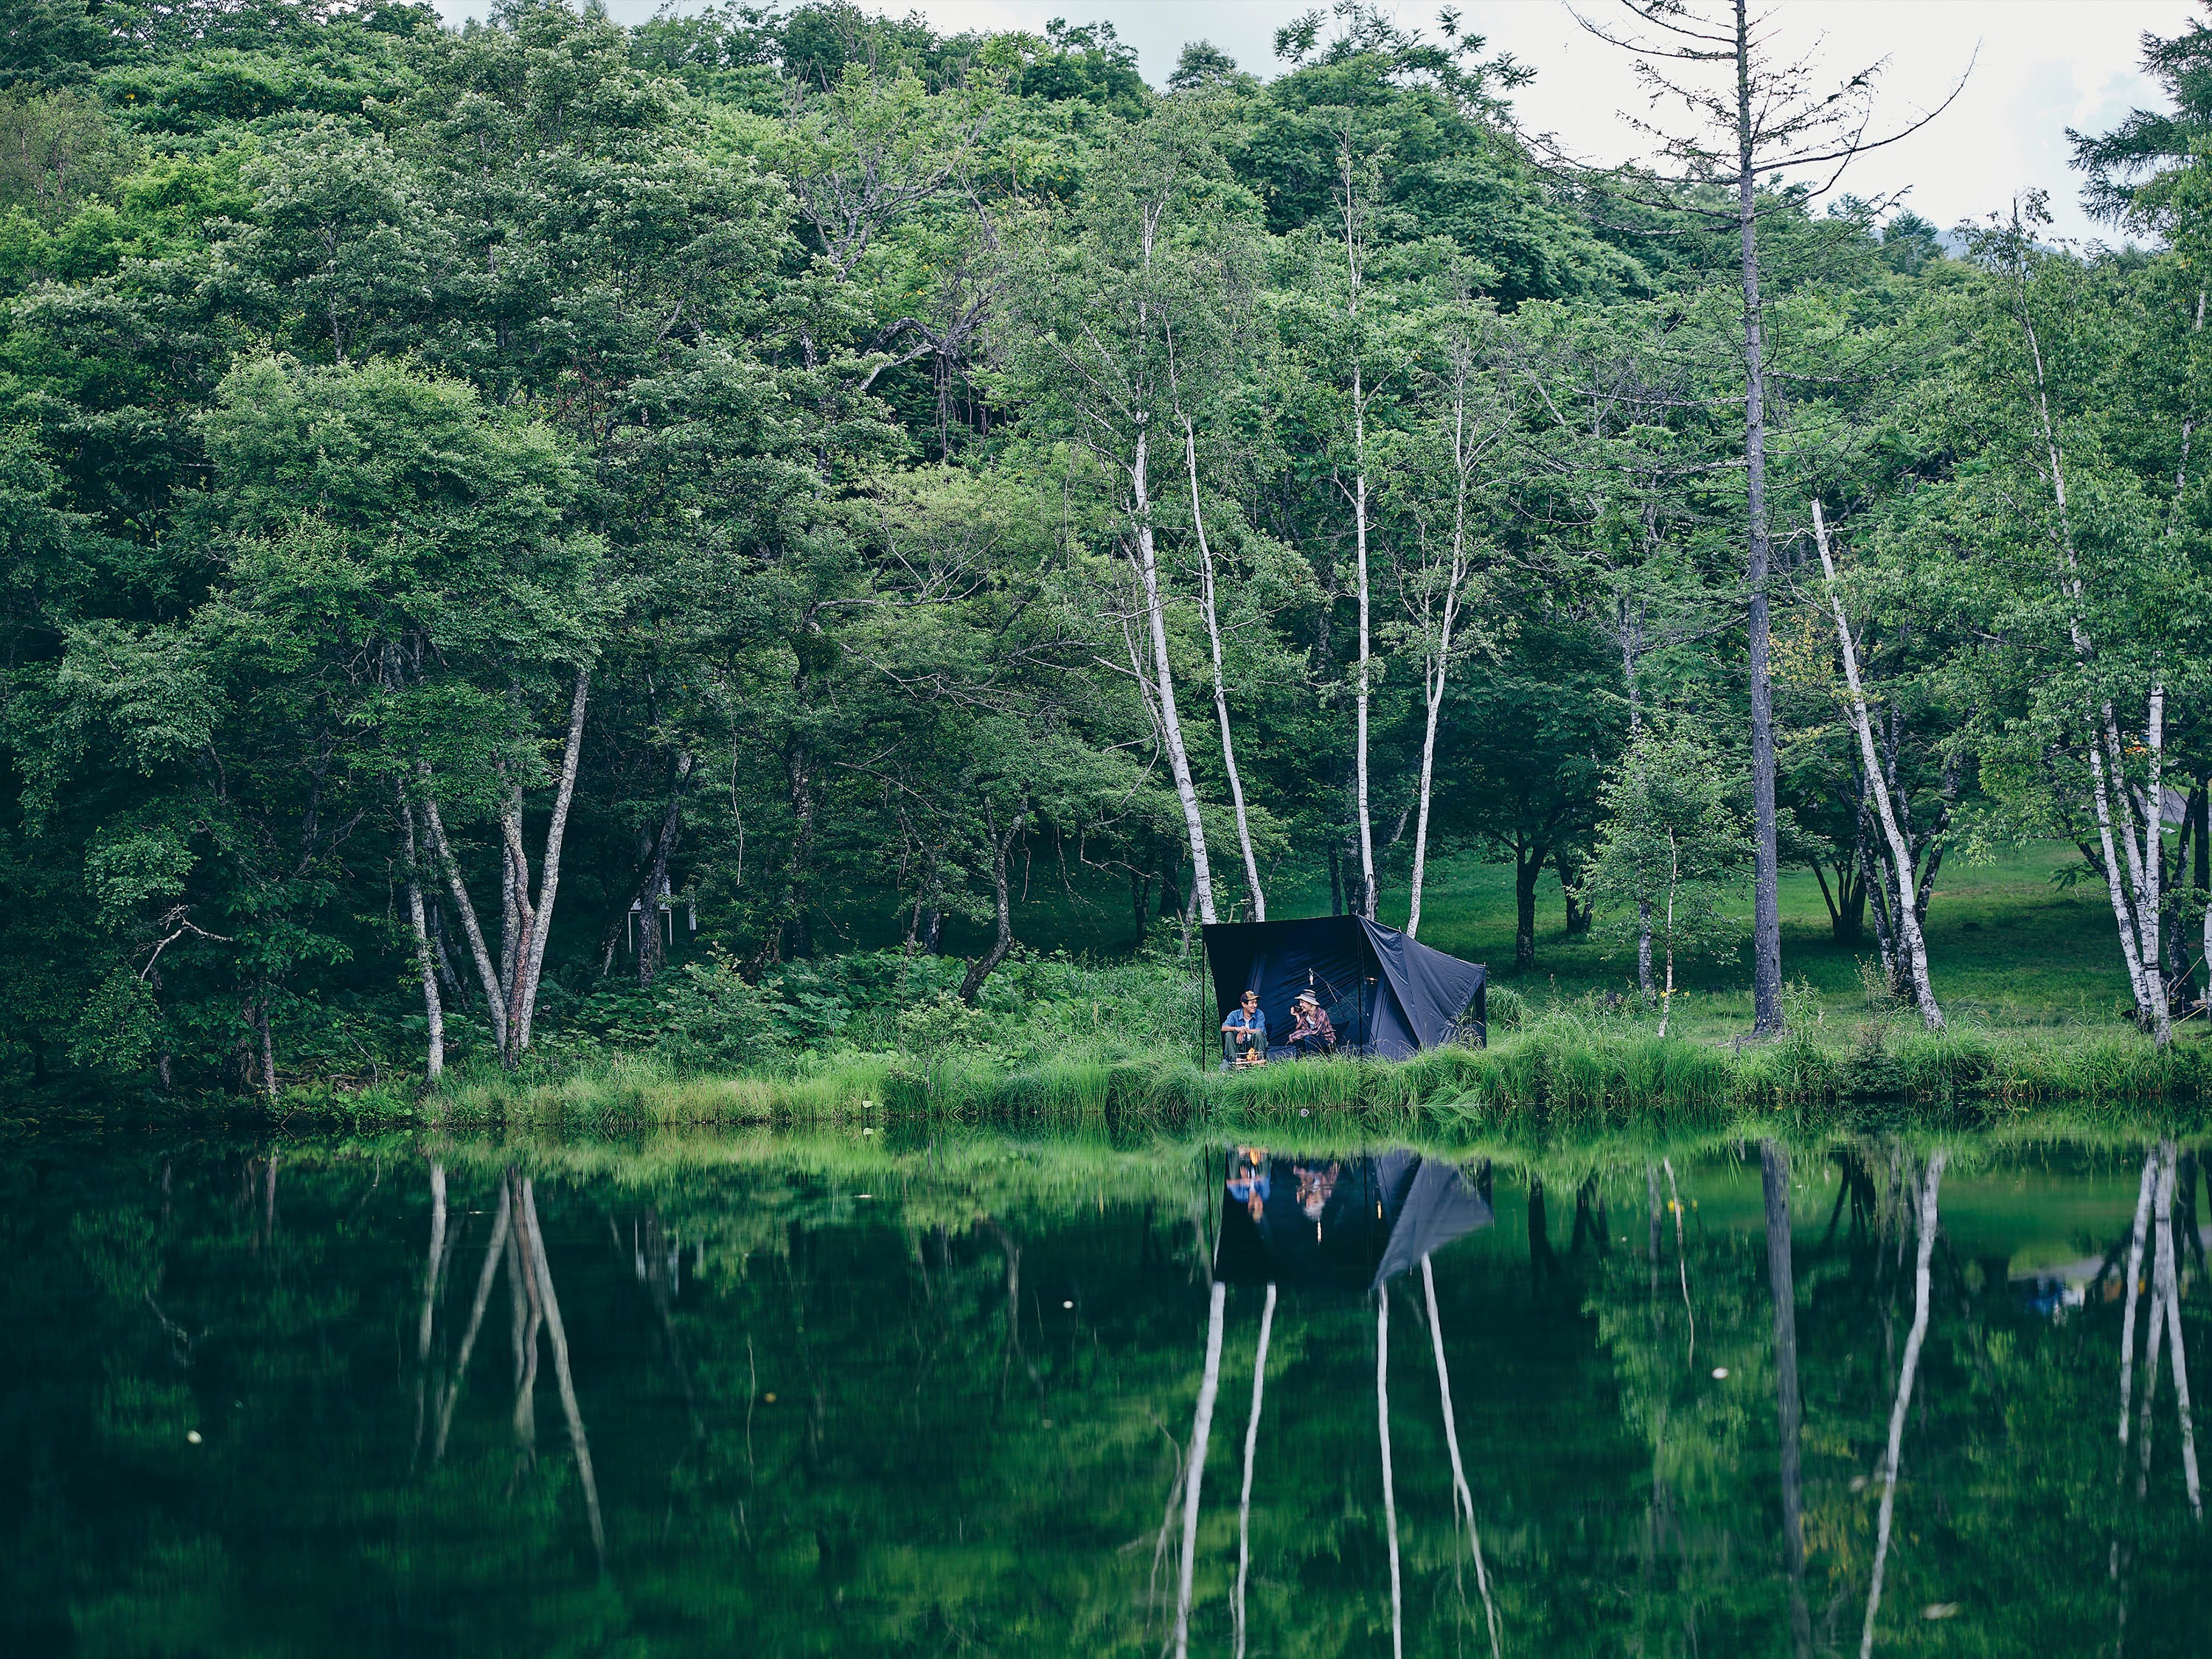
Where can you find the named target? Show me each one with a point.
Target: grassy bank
(1565, 1069)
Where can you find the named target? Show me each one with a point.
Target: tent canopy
(1385, 994)
(1347, 1223)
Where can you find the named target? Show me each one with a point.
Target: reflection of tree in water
(892, 1497)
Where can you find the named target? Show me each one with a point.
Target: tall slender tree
(1758, 114)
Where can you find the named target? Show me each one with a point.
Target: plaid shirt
(1307, 1020)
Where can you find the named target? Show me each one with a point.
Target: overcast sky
(2039, 66)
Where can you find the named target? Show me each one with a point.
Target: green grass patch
(1566, 1070)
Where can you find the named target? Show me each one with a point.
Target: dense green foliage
(809, 489)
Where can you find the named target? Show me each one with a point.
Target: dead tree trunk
(971, 983)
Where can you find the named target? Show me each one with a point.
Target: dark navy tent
(1348, 1223)
(1386, 994)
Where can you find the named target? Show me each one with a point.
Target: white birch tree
(1105, 294)
(1438, 571)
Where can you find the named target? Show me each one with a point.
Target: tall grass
(1567, 1069)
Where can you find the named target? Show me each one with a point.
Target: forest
(763, 531)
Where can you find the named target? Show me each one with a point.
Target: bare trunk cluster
(510, 986)
(2130, 827)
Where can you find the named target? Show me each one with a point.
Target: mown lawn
(2008, 945)
(2011, 947)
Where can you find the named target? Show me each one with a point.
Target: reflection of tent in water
(1385, 994)
(1352, 1224)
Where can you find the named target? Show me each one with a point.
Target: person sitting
(1244, 1033)
(1247, 1180)
(1311, 1032)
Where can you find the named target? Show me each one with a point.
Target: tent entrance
(1388, 996)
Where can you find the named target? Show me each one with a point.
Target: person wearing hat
(1310, 1031)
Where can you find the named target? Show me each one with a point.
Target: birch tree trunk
(1908, 919)
(495, 1000)
(1355, 276)
(1220, 691)
(1438, 665)
(652, 952)
(1674, 881)
(1170, 724)
(426, 962)
(1631, 636)
(2144, 980)
(1365, 690)
(548, 877)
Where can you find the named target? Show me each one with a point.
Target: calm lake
(897, 1392)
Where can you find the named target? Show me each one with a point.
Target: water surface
(860, 1393)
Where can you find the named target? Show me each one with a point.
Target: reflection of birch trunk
(1651, 1191)
(2166, 1286)
(493, 1253)
(1781, 1278)
(1681, 1260)
(1201, 1430)
(1389, 1488)
(2153, 1347)
(544, 1272)
(522, 1290)
(1462, 1497)
(2166, 1334)
(1251, 1445)
(1930, 1186)
(2143, 1193)
(426, 1323)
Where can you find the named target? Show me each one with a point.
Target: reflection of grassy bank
(1560, 1071)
